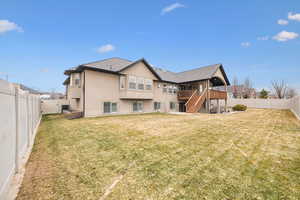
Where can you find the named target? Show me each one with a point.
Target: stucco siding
(103, 87)
(139, 69)
(100, 87)
(164, 97)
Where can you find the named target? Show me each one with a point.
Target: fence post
(17, 129)
(31, 117)
(28, 120)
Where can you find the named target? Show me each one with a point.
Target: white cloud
(44, 70)
(171, 8)
(282, 22)
(263, 38)
(294, 17)
(6, 26)
(284, 36)
(246, 44)
(106, 48)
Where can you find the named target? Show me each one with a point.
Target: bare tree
(291, 92)
(235, 87)
(280, 88)
(247, 88)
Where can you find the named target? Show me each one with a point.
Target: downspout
(83, 93)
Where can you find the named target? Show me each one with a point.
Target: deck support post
(225, 105)
(207, 98)
(218, 104)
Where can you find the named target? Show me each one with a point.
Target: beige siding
(74, 91)
(140, 70)
(220, 75)
(105, 87)
(164, 98)
(101, 87)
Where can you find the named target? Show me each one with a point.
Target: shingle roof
(116, 65)
(111, 64)
(198, 73)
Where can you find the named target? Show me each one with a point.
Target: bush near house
(239, 107)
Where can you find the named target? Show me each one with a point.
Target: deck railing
(213, 94)
(185, 94)
(217, 94)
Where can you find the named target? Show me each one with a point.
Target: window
(200, 88)
(114, 107)
(77, 79)
(109, 107)
(137, 106)
(172, 105)
(170, 89)
(175, 89)
(77, 82)
(140, 83)
(156, 105)
(132, 82)
(165, 89)
(122, 82)
(106, 107)
(148, 83)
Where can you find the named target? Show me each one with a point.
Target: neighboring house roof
(117, 65)
(30, 90)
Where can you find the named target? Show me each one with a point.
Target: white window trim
(139, 111)
(159, 105)
(71, 79)
(124, 78)
(110, 107)
(147, 83)
(135, 81)
(140, 80)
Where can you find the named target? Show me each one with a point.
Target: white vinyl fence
(261, 103)
(293, 104)
(19, 116)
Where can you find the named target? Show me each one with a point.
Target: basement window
(156, 106)
(172, 105)
(137, 106)
(110, 107)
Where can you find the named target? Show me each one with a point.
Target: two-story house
(121, 86)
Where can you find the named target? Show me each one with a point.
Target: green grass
(249, 155)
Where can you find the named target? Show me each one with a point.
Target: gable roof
(117, 65)
(146, 64)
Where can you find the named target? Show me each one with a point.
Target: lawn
(249, 155)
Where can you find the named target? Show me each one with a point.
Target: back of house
(120, 86)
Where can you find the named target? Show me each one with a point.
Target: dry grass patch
(249, 155)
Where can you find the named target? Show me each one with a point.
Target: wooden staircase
(195, 102)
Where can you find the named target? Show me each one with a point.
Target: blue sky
(251, 38)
